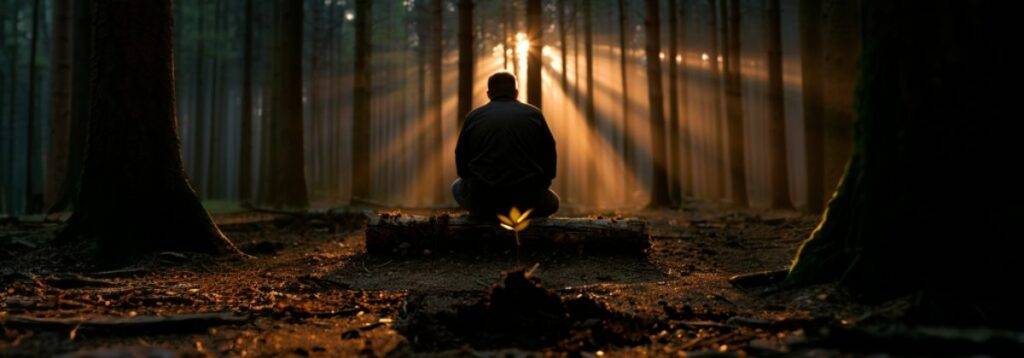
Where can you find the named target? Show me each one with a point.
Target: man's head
(502, 85)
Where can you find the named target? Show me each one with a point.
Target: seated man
(505, 156)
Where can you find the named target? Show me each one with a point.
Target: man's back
(506, 144)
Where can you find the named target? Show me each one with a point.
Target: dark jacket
(506, 144)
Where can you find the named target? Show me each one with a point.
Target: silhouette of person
(505, 156)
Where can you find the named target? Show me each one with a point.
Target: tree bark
(686, 140)
(842, 49)
(589, 108)
(779, 162)
(135, 196)
(813, 101)
(926, 174)
(718, 165)
(288, 178)
(245, 150)
(437, 104)
(627, 145)
(731, 54)
(466, 59)
(656, 99)
(32, 200)
(198, 124)
(534, 59)
(361, 102)
(60, 102)
(5, 136)
(81, 44)
(674, 188)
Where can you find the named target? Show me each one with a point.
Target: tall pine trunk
(198, 125)
(674, 188)
(627, 132)
(288, 174)
(718, 164)
(79, 104)
(33, 201)
(779, 162)
(924, 205)
(135, 196)
(535, 33)
(60, 102)
(466, 59)
(245, 150)
(734, 101)
(656, 98)
(361, 103)
(589, 108)
(437, 99)
(811, 62)
(842, 50)
(686, 137)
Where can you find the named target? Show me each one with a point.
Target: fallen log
(391, 234)
(195, 322)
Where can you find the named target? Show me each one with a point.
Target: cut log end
(388, 234)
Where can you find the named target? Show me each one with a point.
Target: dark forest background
(736, 90)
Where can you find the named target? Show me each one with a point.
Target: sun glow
(522, 44)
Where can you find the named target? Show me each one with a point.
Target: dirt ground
(311, 290)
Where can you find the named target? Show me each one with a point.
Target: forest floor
(311, 289)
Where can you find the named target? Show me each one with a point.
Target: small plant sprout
(515, 222)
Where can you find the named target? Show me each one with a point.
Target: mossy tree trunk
(925, 204)
(134, 195)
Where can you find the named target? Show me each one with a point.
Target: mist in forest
(228, 122)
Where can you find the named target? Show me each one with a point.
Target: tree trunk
(627, 133)
(12, 108)
(673, 154)
(245, 150)
(590, 108)
(79, 105)
(33, 202)
(731, 52)
(842, 50)
(361, 102)
(60, 102)
(5, 136)
(927, 170)
(437, 108)
(198, 124)
(135, 196)
(718, 165)
(214, 174)
(686, 140)
(656, 98)
(535, 33)
(779, 162)
(288, 175)
(466, 59)
(813, 101)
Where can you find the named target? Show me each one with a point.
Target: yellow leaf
(522, 226)
(514, 214)
(525, 215)
(506, 220)
(508, 227)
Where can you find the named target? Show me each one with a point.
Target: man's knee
(548, 204)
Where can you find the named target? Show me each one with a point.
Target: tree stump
(390, 234)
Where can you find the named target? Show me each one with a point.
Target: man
(505, 156)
